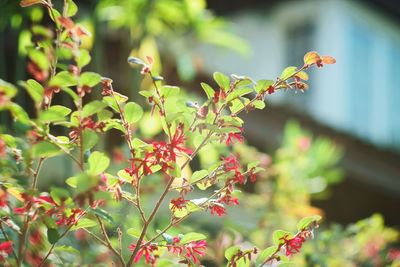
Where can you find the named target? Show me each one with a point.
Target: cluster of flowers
(189, 251)
(33, 205)
(163, 154)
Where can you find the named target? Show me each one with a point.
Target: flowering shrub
(34, 224)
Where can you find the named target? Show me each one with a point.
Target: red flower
(5, 249)
(252, 176)
(147, 251)
(83, 90)
(178, 140)
(196, 249)
(86, 123)
(232, 136)
(217, 208)
(231, 163)
(219, 95)
(228, 199)
(294, 244)
(107, 87)
(48, 93)
(178, 203)
(271, 89)
(239, 177)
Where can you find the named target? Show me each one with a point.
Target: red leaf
(25, 3)
(328, 60)
(66, 22)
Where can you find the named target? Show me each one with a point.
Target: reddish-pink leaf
(66, 22)
(328, 60)
(25, 3)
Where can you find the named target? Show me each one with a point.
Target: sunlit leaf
(328, 60)
(288, 72)
(230, 252)
(89, 79)
(265, 254)
(133, 112)
(222, 80)
(84, 223)
(306, 222)
(208, 90)
(189, 237)
(311, 58)
(92, 108)
(98, 163)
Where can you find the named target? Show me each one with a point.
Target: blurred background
(355, 104)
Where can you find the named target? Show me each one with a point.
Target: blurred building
(356, 101)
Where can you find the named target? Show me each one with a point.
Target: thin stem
(128, 138)
(108, 242)
(25, 227)
(36, 173)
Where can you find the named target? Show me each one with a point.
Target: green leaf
(84, 223)
(35, 90)
(306, 222)
(72, 8)
(59, 195)
(92, 108)
(9, 89)
(263, 85)
(45, 149)
(19, 113)
(54, 113)
(134, 232)
(278, 236)
(90, 139)
(189, 237)
(110, 101)
(52, 235)
(265, 254)
(198, 175)
(66, 249)
(168, 90)
(259, 104)
(208, 90)
(83, 58)
(288, 72)
(238, 93)
(230, 252)
(98, 163)
(103, 214)
(176, 171)
(89, 79)
(82, 182)
(222, 80)
(39, 58)
(63, 78)
(178, 213)
(133, 112)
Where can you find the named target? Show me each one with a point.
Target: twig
(108, 242)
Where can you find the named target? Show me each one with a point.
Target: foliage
(113, 213)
